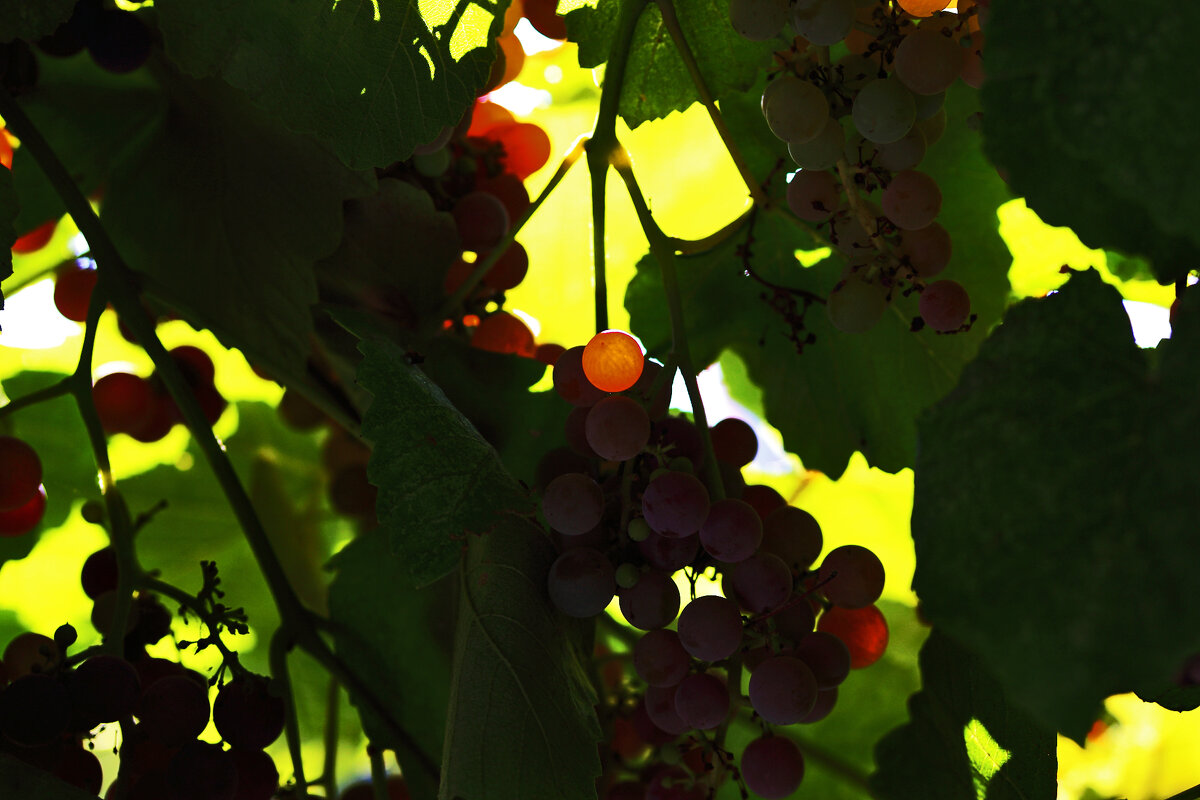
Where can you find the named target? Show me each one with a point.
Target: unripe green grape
(928, 62)
(432, 165)
(856, 71)
(825, 22)
(856, 306)
(639, 530)
(758, 20)
(795, 109)
(627, 575)
(681, 464)
(821, 152)
(884, 110)
(904, 153)
(933, 127)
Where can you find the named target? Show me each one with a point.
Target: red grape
(675, 504)
(734, 441)
(73, 288)
(20, 473)
(502, 332)
(35, 239)
(652, 602)
(570, 381)
(617, 428)
(710, 628)
(702, 701)
(123, 401)
(573, 504)
(247, 715)
(581, 582)
(944, 305)
(783, 690)
(659, 659)
(851, 576)
(772, 767)
(542, 14)
(23, 519)
(863, 630)
(732, 531)
(794, 535)
(481, 219)
(911, 200)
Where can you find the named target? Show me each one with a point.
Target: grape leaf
(32, 19)
(403, 655)
(845, 392)
(656, 80)
(257, 207)
(1125, 184)
(1054, 511)
(92, 118)
(964, 739)
(439, 482)
(370, 79)
(521, 719)
(20, 779)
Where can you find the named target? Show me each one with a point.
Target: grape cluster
(630, 511)
(117, 40)
(52, 703)
(22, 495)
(858, 127)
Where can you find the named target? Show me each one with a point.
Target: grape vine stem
(671, 20)
(117, 280)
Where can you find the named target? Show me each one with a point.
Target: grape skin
(884, 110)
(796, 110)
(812, 195)
(821, 152)
(856, 306)
(675, 504)
(912, 200)
(824, 22)
(652, 602)
(851, 576)
(617, 428)
(772, 767)
(927, 62)
(573, 504)
(731, 532)
(783, 690)
(659, 659)
(710, 628)
(758, 20)
(762, 582)
(582, 582)
(702, 701)
(928, 250)
(944, 305)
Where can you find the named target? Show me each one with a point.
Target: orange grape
(502, 332)
(923, 8)
(36, 239)
(613, 361)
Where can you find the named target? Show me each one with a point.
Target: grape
(933, 127)
(481, 220)
(796, 110)
(582, 582)
(783, 690)
(856, 305)
(944, 305)
(352, 494)
(502, 332)
(863, 630)
(922, 8)
(103, 689)
(30, 653)
(681, 439)
(652, 602)
(772, 767)
(826, 700)
(123, 401)
(613, 361)
(659, 659)
(73, 291)
(904, 153)
(812, 195)
(826, 655)
(758, 20)
(298, 412)
(397, 789)
(856, 71)
(647, 730)
(246, 714)
(173, 709)
(851, 576)
(118, 41)
(824, 22)
(202, 771)
(794, 535)
(927, 106)
(67, 40)
(570, 381)
(153, 621)
(762, 582)
(710, 628)
(927, 250)
(796, 619)
(432, 164)
(23, 519)
(702, 701)
(542, 14)
(658, 404)
(928, 62)
(510, 190)
(660, 707)
(514, 61)
(675, 504)
(821, 152)
(911, 200)
(257, 775)
(672, 782)
(509, 270)
(548, 353)
(34, 710)
(884, 110)
(526, 146)
(668, 553)
(575, 430)
(732, 531)
(734, 441)
(35, 239)
(80, 768)
(20, 473)
(573, 504)
(617, 428)
(763, 499)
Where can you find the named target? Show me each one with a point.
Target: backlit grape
(613, 361)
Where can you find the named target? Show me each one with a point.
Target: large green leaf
(845, 392)
(964, 739)
(440, 484)
(226, 213)
(369, 78)
(656, 80)
(92, 118)
(32, 19)
(521, 720)
(404, 655)
(1055, 509)
(1104, 149)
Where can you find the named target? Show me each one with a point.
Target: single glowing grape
(613, 361)
(923, 8)
(864, 631)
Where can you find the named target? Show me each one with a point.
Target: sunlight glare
(31, 322)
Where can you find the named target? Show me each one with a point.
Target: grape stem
(483, 265)
(671, 20)
(117, 280)
(193, 604)
(56, 389)
(333, 697)
(664, 253)
(281, 644)
(603, 144)
(1187, 794)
